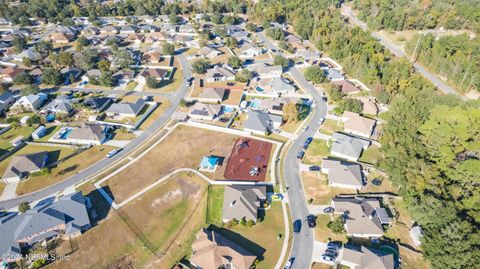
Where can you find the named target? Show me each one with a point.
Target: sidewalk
(9, 191)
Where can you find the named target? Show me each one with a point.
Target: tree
(106, 79)
(275, 33)
(65, 59)
(243, 76)
(168, 49)
(231, 42)
(104, 65)
(51, 76)
(82, 42)
(86, 60)
(285, 46)
(350, 104)
(290, 112)
(337, 225)
(335, 93)
(251, 27)
(315, 74)
(27, 62)
(235, 62)
(152, 83)
(124, 58)
(217, 18)
(30, 89)
(173, 18)
(34, 120)
(44, 47)
(23, 78)
(200, 66)
(19, 43)
(23, 207)
(280, 60)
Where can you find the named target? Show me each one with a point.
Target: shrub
(23, 207)
(336, 226)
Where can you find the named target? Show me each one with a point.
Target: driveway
(317, 209)
(9, 191)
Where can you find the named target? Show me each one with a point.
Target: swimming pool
(64, 134)
(259, 89)
(255, 104)
(50, 117)
(228, 109)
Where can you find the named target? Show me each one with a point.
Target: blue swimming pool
(65, 133)
(50, 117)
(259, 89)
(228, 109)
(255, 104)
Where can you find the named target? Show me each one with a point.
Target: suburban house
(211, 250)
(281, 86)
(153, 57)
(211, 95)
(243, 202)
(90, 30)
(209, 52)
(263, 70)
(29, 53)
(347, 87)
(364, 217)
(220, 73)
(9, 73)
(186, 29)
(333, 74)
(21, 166)
(70, 74)
(129, 110)
(60, 104)
(201, 111)
(109, 30)
(272, 105)
(6, 100)
(153, 37)
(308, 56)
(123, 76)
(61, 38)
(63, 218)
(127, 29)
(358, 125)
(249, 51)
(369, 106)
(209, 164)
(347, 146)
(366, 258)
(98, 104)
(261, 122)
(156, 73)
(88, 134)
(30, 103)
(241, 37)
(343, 174)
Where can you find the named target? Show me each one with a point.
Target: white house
(31, 102)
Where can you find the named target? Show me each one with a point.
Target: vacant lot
(63, 170)
(182, 148)
(316, 151)
(317, 189)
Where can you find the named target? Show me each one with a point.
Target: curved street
(107, 162)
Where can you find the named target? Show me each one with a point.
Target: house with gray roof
(6, 100)
(366, 258)
(343, 174)
(62, 218)
(60, 104)
(260, 122)
(30, 103)
(281, 86)
(89, 134)
(220, 73)
(348, 147)
(129, 110)
(21, 166)
(243, 202)
(363, 217)
(201, 111)
(211, 95)
(263, 70)
(333, 74)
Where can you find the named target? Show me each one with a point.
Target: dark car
(324, 98)
(331, 252)
(300, 155)
(312, 222)
(332, 245)
(297, 226)
(314, 168)
(309, 140)
(289, 263)
(328, 209)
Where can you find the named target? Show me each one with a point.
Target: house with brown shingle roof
(211, 95)
(153, 37)
(347, 87)
(61, 38)
(201, 111)
(366, 258)
(358, 125)
(242, 202)
(156, 73)
(211, 250)
(343, 174)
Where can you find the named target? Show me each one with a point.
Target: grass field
(316, 151)
(215, 204)
(372, 155)
(64, 169)
(131, 86)
(185, 147)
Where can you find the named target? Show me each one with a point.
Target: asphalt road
(106, 162)
(302, 247)
(139, 93)
(398, 51)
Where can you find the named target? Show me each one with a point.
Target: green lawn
(331, 126)
(131, 85)
(372, 155)
(317, 150)
(13, 133)
(215, 204)
(323, 234)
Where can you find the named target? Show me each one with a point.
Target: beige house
(358, 125)
(243, 202)
(343, 174)
(211, 95)
(369, 106)
(365, 258)
(201, 111)
(211, 250)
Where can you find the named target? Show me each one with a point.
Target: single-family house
(343, 174)
(29, 53)
(220, 73)
(61, 38)
(8, 74)
(70, 74)
(63, 218)
(186, 29)
(21, 166)
(158, 74)
(272, 105)
(60, 105)
(201, 111)
(90, 30)
(98, 104)
(263, 70)
(88, 134)
(243, 202)
(249, 51)
(152, 57)
(40, 132)
(366, 258)
(242, 37)
(129, 110)
(211, 250)
(358, 125)
(333, 74)
(169, 28)
(109, 30)
(6, 100)
(308, 56)
(281, 86)
(347, 87)
(211, 95)
(123, 76)
(209, 52)
(29, 103)
(261, 122)
(347, 146)
(364, 217)
(153, 37)
(127, 29)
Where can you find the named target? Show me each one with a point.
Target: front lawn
(316, 151)
(323, 234)
(317, 190)
(13, 133)
(330, 126)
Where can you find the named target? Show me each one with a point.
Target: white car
(328, 258)
(113, 152)
(321, 120)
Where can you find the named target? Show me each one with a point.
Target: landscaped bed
(183, 148)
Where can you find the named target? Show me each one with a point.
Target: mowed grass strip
(215, 204)
(184, 147)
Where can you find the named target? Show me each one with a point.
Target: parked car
(309, 140)
(328, 209)
(332, 245)
(113, 152)
(324, 98)
(331, 252)
(321, 121)
(289, 263)
(328, 258)
(297, 226)
(300, 155)
(314, 168)
(311, 219)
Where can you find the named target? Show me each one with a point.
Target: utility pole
(416, 46)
